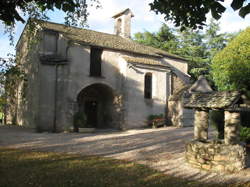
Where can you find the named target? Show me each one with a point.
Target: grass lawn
(31, 168)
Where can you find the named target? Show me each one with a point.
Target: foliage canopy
(192, 13)
(12, 11)
(231, 66)
(197, 47)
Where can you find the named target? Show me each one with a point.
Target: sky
(144, 20)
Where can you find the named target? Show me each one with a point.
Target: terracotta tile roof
(111, 41)
(215, 100)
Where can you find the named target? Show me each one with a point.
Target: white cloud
(232, 22)
(109, 7)
(101, 19)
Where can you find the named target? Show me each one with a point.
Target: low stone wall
(215, 156)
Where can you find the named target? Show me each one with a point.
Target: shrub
(156, 120)
(79, 121)
(245, 134)
(154, 116)
(231, 66)
(245, 118)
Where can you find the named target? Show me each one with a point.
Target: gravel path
(162, 149)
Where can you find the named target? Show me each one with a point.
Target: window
(119, 26)
(50, 42)
(148, 86)
(95, 62)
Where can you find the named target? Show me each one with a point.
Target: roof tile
(105, 40)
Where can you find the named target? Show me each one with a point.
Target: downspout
(169, 93)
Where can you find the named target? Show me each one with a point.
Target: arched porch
(96, 103)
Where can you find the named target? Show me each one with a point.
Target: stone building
(111, 79)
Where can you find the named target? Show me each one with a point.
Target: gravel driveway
(162, 149)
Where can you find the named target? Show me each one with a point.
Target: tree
(231, 66)
(188, 44)
(12, 10)
(195, 46)
(192, 13)
(164, 39)
(214, 40)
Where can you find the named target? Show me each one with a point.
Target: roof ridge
(75, 27)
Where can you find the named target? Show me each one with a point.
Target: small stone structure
(216, 156)
(228, 155)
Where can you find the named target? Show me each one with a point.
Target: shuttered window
(95, 62)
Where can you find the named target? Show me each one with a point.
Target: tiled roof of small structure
(104, 40)
(143, 60)
(214, 100)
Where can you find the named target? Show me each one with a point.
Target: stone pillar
(201, 125)
(232, 127)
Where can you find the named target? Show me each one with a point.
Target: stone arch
(98, 103)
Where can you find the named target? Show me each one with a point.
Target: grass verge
(21, 168)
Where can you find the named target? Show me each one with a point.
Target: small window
(95, 62)
(148, 86)
(119, 26)
(50, 42)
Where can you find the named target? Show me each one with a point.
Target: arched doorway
(96, 103)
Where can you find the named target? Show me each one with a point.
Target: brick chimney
(123, 23)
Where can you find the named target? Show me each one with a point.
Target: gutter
(152, 67)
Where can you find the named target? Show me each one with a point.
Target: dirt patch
(161, 149)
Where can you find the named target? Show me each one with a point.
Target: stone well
(216, 156)
(228, 155)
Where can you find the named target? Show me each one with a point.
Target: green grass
(31, 168)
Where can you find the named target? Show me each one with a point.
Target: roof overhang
(122, 12)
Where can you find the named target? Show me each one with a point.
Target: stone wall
(178, 83)
(137, 107)
(177, 115)
(216, 156)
